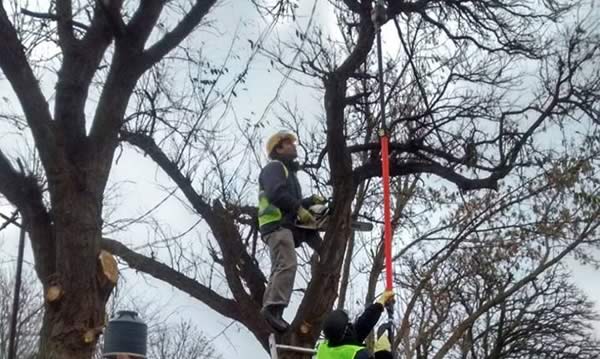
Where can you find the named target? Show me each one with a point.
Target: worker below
(280, 207)
(345, 340)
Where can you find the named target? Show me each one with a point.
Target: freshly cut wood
(54, 293)
(89, 336)
(305, 328)
(109, 266)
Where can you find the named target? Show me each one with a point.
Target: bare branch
(81, 59)
(142, 22)
(226, 307)
(544, 265)
(173, 38)
(24, 193)
(10, 220)
(64, 18)
(53, 17)
(13, 63)
(402, 168)
(237, 262)
(10, 182)
(353, 5)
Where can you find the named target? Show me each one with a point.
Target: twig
(53, 17)
(10, 220)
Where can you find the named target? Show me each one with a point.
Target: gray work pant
(283, 267)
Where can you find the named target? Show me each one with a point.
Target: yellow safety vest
(267, 212)
(324, 351)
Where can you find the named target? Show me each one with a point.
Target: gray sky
(138, 190)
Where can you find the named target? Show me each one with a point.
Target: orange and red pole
(379, 19)
(387, 219)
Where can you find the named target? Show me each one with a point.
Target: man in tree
(280, 207)
(344, 340)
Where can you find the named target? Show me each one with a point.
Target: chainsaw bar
(322, 213)
(321, 226)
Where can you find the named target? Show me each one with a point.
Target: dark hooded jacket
(285, 193)
(361, 328)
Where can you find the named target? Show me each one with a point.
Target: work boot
(314, 241)
(272, 315)
(278, 310)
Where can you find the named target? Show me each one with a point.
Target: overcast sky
(138, 179)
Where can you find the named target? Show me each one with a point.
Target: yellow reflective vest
(324, 351)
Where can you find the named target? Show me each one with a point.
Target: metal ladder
(274, 347)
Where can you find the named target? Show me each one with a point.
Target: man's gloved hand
(378, 15)
(304, 216)
(383, 344)
(386, 298)
(316, 199)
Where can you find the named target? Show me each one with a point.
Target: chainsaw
(322, 213)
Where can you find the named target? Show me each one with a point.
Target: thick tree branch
(226, 307)
(128, 65)
(395, 8)
(373, 169)
(108, 14)
(81, 59)
(24, 193)
(230, 308)
(141, 24)
(237, 262)
(10, 182)
(173, 38)
(64, 18)
(325, 280)
(53, 17)
(411, 147)
(13, 63)
(106, 24)
(110, 111)
(364, 43)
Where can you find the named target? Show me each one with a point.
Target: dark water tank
(126, 334)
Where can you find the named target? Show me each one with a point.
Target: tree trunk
(77, 292)
(66, 342)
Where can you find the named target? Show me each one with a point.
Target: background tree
(461, 115)
(492, 283)
(29, 316)
(168, 337)
(183, 340)
(111, 43)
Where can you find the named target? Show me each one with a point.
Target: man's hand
(304, 216)
(378, 15)
(383, 344)
(316, 199)
(386, 298)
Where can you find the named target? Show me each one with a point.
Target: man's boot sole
(280, 327)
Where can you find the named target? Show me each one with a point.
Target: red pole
(385, 172)
(379, 19)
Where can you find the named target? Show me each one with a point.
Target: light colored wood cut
(54, 293)
(109, 266)
(89, 336)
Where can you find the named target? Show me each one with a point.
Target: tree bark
(75, 317)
